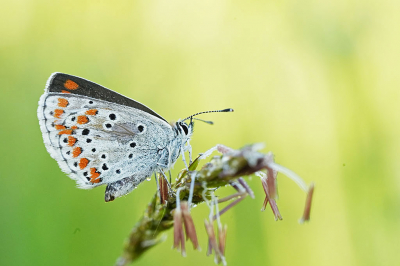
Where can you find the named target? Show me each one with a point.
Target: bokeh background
(316, 81)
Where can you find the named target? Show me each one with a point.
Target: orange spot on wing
(62, 102)
(94, 175)
(83, 163)
(74, 127)
(71, 141)
(63, 91)
(71, 85)
(76, 152)
(91, 112)
(66, 132)
(59, 127)
(82, 119)
(58, 113)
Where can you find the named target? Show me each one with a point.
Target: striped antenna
(215, 111)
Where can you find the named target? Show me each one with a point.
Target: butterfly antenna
(208, 122)
(215, 111)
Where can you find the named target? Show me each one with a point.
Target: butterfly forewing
(64, 83)
(97, 141)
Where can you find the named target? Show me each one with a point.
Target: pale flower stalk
(172, 204)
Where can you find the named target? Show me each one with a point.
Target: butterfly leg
(183, 158)
(189, 147)
(158, 185)
(119, 188)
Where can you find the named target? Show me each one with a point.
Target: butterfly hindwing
(96, 141)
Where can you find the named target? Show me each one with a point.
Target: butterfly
(98, 136)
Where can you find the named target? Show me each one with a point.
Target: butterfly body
(98, 136)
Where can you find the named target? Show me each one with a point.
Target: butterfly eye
(185, 128)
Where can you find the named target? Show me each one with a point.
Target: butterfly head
(184, 129)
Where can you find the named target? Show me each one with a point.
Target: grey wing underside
(126, 164)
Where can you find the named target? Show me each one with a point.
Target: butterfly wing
(98, 136)
(64, 83)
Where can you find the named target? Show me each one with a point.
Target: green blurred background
(317, 81)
